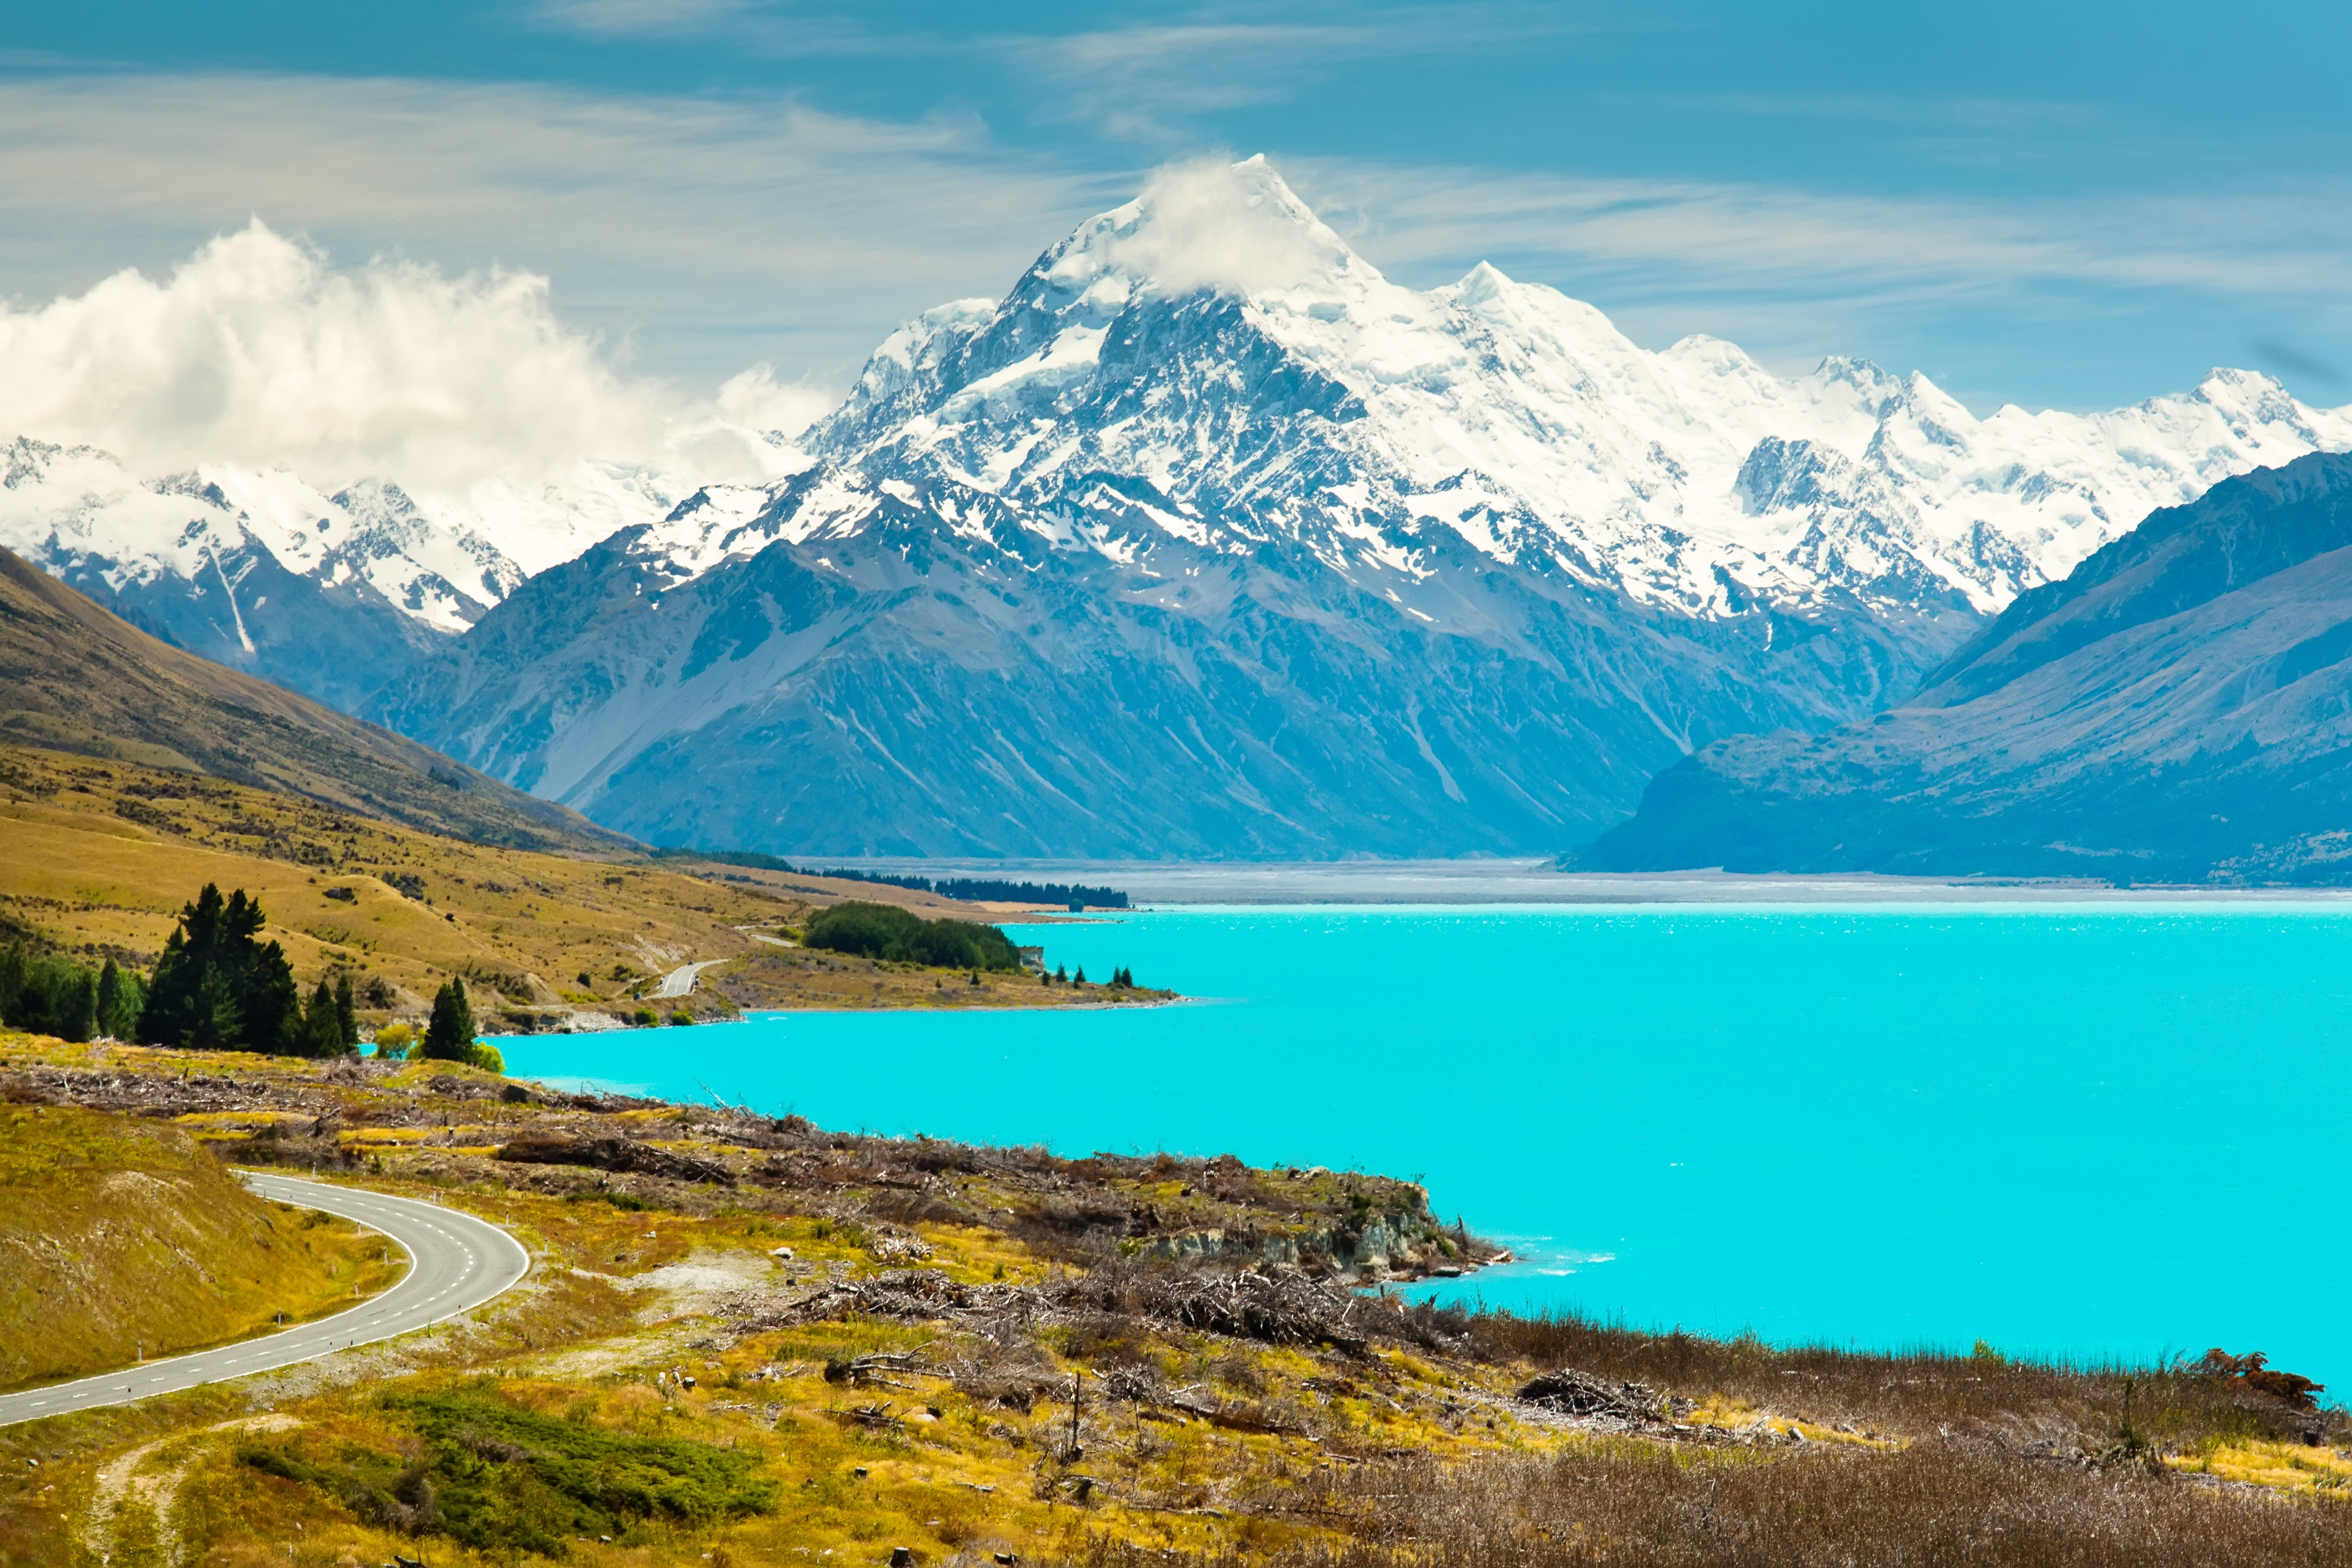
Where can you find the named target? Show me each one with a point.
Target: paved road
(456, 1263)
(679, 982)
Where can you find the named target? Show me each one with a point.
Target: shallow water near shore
(2085, 1132)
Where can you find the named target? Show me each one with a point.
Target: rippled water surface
(2109, 1131)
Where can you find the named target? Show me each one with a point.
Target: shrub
(899, 936)
(645, 1017)
(395, 1039)
(680, 1019)
(493, 1477)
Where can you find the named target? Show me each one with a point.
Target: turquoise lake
(2097, 1133)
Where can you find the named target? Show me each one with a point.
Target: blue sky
(2049, 205)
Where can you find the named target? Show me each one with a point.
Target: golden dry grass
(1408, 1453)
(521, 926)
(119, 1238)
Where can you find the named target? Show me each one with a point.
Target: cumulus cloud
(257, 351)
(705, 232)
(1210, 222)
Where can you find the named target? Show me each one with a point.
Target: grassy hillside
(74, 677)
(98, 857)
(119, 1237)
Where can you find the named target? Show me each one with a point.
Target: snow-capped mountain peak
(1216, 342)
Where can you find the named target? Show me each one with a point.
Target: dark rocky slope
(2179, 709)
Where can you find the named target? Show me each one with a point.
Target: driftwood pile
(624, 1154)
(1572, 1393)
(1274, 1310)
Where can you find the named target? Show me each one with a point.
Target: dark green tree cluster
(70, 1000)
(900, 937)
(331, 1023)
(218, 986)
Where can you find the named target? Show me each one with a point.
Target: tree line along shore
(108, 858)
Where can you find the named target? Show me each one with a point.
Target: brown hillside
(97, 859)
(75, 678)
(120, 1238)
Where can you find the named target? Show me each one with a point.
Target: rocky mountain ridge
(2174, 711)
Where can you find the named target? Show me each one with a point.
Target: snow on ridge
(1215, 366)
(1141, 346)
(443, 560)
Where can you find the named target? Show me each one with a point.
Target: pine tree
(12, 986)
(75, 1009)
(449, 1036)
(214, 1023)
(347, 1014)
(217, 987)
(1081, 975)
(111, 1002)
(322, 1030)
(1062, 973)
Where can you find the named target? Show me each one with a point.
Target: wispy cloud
(1708, 237)
(615, 18)
(697, 235)
(714, 231)
(1146, 81)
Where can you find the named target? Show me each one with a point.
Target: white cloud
(1708, 235)
(699, 234)
(257, 351)
(1209, 223)
(608, 18)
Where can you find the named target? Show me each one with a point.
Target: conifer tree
(1081, 978)
(11, 984)
(322, 1030)
(217, 986)
(76, 1009)
(1062, 973)
(347, 1014)
(118, 1002)
(449, 1036)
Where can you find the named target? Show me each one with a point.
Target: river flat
(2086, 1131)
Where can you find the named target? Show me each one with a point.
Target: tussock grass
(1072, 1412)
(119, 1236)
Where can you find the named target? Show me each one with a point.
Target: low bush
(899, 936)
(493, 1477)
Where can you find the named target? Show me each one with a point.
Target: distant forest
(995, 890)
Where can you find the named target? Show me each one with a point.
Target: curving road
(679, 982)
(456, 1263)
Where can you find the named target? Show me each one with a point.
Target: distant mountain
(2179, 709)
(74, 677)
(330, 595)
(1209, 540)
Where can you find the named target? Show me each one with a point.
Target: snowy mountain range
(1206, 539)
